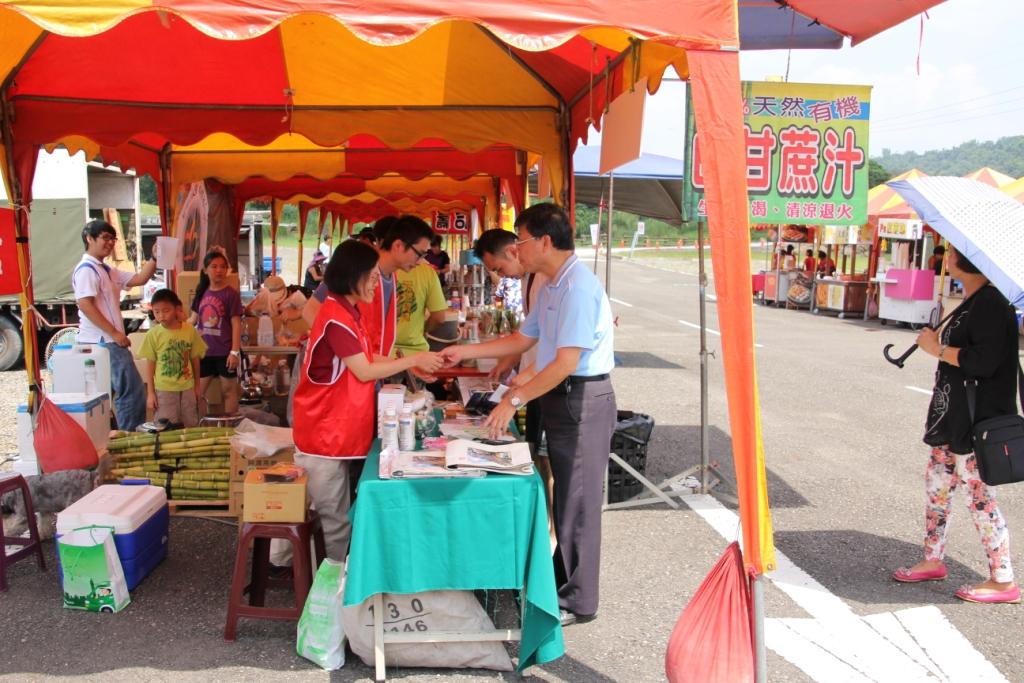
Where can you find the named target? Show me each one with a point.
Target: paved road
(845, 463)
(842, 438)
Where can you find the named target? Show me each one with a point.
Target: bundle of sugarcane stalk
(193, 463)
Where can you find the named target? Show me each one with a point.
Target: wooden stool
(259, 534)
(30, 545)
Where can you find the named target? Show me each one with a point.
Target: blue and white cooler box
(139, 517)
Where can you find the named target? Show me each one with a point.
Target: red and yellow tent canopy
(528, 75)
(1015, 189)
(882, 198)
(990, 176)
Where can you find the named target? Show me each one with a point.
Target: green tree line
(1005, 155)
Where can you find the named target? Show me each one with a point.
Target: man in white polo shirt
(571, 326)
(98, 292)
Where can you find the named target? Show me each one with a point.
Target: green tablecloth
(410, 536)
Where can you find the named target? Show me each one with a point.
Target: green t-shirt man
(172, 351)
(418, 293)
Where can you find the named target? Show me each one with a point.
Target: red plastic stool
(259, 534)
(30, 545)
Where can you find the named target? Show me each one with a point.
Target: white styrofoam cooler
(139, 517)
(92, 411)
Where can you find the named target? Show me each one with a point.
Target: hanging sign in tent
(459, 223)
(442, 222)
(900, 228)
(10, 273)
(451, 222)
(807, 154)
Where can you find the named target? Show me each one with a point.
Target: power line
(940, 115)
(948, 104)
(946, 123)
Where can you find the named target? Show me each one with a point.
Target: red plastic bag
(712, 642)
(60, 442)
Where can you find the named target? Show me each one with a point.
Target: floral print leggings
(941, 479)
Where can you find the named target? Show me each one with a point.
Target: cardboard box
(390, 396)
(273, 501)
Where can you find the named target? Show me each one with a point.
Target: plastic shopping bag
(93, 577)
(60, 442)
(423, 613)
(321, 636)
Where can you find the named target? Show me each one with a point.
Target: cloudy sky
(971, 84)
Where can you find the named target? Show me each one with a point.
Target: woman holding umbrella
(979, 344)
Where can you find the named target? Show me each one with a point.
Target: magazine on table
(471, 429)
(489, 456)
(419, 465)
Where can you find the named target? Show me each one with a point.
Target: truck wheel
(10, 343)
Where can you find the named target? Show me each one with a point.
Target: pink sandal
(904, 575)
(969, 594)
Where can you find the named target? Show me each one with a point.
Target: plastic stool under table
(30, 545)
(259, 534)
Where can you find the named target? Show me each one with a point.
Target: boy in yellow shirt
(172, 350)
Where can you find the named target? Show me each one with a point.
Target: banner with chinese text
(454, 222)
(807, 154)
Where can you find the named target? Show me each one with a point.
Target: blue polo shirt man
(571, 326)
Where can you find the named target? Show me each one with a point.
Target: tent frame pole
(760, 656)
(608, 237)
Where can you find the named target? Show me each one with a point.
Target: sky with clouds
(970, 86)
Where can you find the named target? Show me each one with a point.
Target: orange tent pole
(26, 297)
(718, 109)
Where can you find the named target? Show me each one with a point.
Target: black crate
(629, 442)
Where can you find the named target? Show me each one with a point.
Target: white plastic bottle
(407, 429)
(265, 332)
(89, 375)
(389, 431)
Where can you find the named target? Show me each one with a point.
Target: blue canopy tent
(651, 186)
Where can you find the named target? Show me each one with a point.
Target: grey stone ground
(845, 468)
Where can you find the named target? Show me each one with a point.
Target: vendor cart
(907, 288)
(845, 291)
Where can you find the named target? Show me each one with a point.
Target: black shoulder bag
(998, 441)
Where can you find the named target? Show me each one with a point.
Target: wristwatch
(234, 353)
(516, 402)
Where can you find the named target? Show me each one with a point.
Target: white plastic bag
(93, 578)
(423, 613)
(321, 635)
(254, 440)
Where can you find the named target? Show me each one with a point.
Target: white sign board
(900, 228)
(640, 227)
(595, 233)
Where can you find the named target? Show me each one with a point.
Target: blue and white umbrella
(983, 224)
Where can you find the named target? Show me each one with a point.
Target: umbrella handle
(898, 362)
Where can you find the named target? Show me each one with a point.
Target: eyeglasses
(419, 254)
(106, 237)
(528, 239)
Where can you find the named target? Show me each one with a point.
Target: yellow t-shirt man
(418, 292)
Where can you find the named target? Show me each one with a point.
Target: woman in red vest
(335, 398)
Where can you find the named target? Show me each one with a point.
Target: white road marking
(621, 302)
(711, 297)
(697, 327)
(711, 331)
(918, 390)
(837, 645)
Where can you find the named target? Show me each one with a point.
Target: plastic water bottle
(407, 429)
(89, 374)
(389, 431)
(265, 332)
(283, 378)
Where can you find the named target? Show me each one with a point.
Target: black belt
(579, 379)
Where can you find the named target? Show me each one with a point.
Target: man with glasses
(402, 244)
(98, 293)
(571, 326)
(421, 302)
